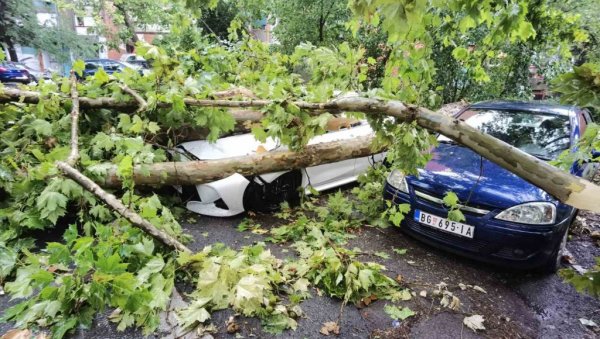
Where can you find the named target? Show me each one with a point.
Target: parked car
(508, 220)
(109, 66)
(135, 60)
(235, 194)
(10, 72)
(34, 75)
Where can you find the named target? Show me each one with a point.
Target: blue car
(509, 221)
(10, 72)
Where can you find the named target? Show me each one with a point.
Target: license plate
(444, 224)
(22, 77)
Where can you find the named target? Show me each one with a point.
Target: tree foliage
(319, 22)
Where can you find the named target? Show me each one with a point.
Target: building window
(80, 21)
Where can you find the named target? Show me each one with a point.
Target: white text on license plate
(444, 224)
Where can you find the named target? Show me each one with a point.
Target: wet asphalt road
(517, 304)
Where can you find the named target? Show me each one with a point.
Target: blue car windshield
(540, 134)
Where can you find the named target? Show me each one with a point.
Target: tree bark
(74, 154)
(12, 52)
(239, 112)
(128, 24)
(198, 172)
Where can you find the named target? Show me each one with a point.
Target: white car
(235, 194)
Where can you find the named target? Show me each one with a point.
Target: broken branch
(119, 207)
(109, 199)
(141, 101)
(74, 154)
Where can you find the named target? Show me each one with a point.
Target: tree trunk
(198, 172)
(12, 52)
(130, 26)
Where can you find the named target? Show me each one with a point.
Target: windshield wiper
(448, 141)
(541, 156)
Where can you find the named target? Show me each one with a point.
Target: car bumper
(15, 80)
(495, 241)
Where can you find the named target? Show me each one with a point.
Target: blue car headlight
(534, 213)
(398, 181)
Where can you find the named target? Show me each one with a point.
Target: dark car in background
(35, 75)
(135, 60)
(109, 66)
(509, 221)
(12, 73)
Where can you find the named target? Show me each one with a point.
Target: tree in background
(507, 63)
(320, 22)
(118, 20)
(19, 25)
(588, 12)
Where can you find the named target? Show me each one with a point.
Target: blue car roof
(526, 106)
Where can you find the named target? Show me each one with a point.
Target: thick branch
(30, 97)
(142, 104)
(197, 172)
(237, 91)
(74, 155)
(118, 206)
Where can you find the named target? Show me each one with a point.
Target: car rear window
(8, 65)
(540, 134)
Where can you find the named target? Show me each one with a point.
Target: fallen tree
(109, 256)
(567, 188)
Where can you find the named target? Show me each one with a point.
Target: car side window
(111, 66)
(91, 66)
(587, 116)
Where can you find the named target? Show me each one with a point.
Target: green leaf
(259, 134)
(277, 323)
(79, 67)
(41, 127)
(8, 259)
(400, 251)
(101, 77)
(193, 314)
(51, 205)
(450, 199)
(460, 53)
(125, 167)
(456, 215)
(382, 255)
(63, 326)
(396, 313)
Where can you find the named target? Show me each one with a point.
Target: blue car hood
(457, 168)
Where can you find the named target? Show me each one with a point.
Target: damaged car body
(235, 194)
